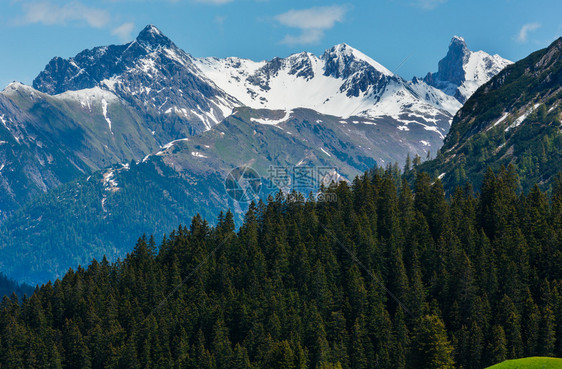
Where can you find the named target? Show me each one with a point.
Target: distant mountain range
(119, 103)
(140, 136)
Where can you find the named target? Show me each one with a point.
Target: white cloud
(311, 36)
(524, 31)
(312, 22)
(429, 4)
(314, 18)
(47, 13)
(124, 31)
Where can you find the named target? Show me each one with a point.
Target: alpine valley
(137, 138)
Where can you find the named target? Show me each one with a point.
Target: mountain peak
(342, 47)
(152, 37)
(151, 28)
(451, 66)
(345, 49)
(18, 87)
(457, 41)
(344, 55)
(461, 71)
(458, 49)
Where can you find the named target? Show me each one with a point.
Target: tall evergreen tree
(430, 345)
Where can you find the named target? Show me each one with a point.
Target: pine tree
(497, 347)
(547, 333)
(76, 351)
(531, 320)
(240, 358)
(430, 346)
(280, 356)
(358, 355)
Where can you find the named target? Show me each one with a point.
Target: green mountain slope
(530, 363)
(513, 119)
(50, 140)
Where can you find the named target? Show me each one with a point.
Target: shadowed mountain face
(451, 66)
(151, 74)
(462, 71)
(514, 119)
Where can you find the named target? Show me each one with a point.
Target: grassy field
(530, 363)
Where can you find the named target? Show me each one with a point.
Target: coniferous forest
(390, 275)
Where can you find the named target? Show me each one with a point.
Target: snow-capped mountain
(177, 125)
(118, 103)
(342, 82)
(462, 71)
(190, 95)
(151, 74)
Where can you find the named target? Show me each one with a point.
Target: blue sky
(406, 36)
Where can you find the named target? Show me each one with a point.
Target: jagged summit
(342, 48)
(151, 73)
(151, 29)
(15, 85)
(92, 66)
(457, 40)
(462, 71)
(152, 37)
(451, 67)
(342, 56)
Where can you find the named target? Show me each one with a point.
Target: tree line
(390, 275)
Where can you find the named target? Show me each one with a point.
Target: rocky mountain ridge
(462, 71)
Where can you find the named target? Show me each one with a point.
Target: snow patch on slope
(198, 154)
(89, 98)
(167, 147)
(502, 118)
(273, 122)
(325, 152)
(104, 111)
(522, 118)
(479, 69)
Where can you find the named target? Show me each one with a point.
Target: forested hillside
(380, 278)
(9, 286)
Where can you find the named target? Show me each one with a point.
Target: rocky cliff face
(152, 75)
(462, 71)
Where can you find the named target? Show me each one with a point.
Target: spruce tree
(431, 348)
